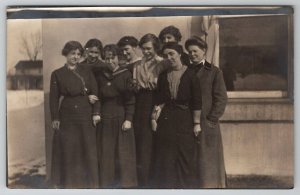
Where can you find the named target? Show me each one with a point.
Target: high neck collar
(201, 63)
(71, 67)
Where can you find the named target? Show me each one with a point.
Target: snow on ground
(20, 99)
(25, 134)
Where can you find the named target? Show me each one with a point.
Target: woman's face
(128, 52)
(196, 54)
(111, 59)
(169, 38)
(73, 57)
(173, 56)
(148, 50)
(93, 54)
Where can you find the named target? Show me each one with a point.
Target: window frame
(270, 94)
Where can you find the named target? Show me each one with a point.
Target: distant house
(28, 75)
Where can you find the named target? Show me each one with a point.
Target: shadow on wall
(49, 136)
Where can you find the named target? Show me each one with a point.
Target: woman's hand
(55, 124)
(126, 125)
(96, 119)
(197, 129)
(156, 111)
(93, 99)
(153, 125)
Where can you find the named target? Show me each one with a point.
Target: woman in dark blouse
(177, 114)
(74, 159)
(115, 135)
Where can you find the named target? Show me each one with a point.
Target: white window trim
(257, 94)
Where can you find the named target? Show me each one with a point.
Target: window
(254, 55)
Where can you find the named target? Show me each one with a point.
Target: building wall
(31, 71)
(258, 137)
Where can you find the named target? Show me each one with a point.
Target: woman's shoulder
(190, 71)
(59, 70)
(211, 66)
(123, 72)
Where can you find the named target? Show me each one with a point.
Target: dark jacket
(210, 149)
(115, 93)
(66, 83)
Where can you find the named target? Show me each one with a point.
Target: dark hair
(71, 45)
(94, 43)
(174, 46)
(150, 38)
(194, 40)
(170, 30)
(128, 40)
(112, 48)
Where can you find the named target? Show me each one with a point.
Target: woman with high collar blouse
(74, 153)
(145, 75)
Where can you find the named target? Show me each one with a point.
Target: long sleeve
(196, 93)
(158, 93)
(101, 66)
(129, 101)
(94, 91)
(54, 97)
(219, 97)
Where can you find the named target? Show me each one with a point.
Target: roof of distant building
(27, 64)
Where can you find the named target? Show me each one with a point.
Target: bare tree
(31, 44)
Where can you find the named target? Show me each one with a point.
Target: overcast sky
(15, 29)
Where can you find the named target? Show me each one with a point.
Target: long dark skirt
(74, 154)
(74, 160)
(117, 159)
(143, 136)
(175, 149)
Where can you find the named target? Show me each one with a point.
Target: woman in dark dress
(74, 159)
(211, 168)
(177, 115)
(115, 135)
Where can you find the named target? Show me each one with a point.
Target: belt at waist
(179, 104)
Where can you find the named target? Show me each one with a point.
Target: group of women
(125, 121)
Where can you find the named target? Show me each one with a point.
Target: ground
(25, 135)
(26, 147)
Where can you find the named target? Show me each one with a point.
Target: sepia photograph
(150, 97)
